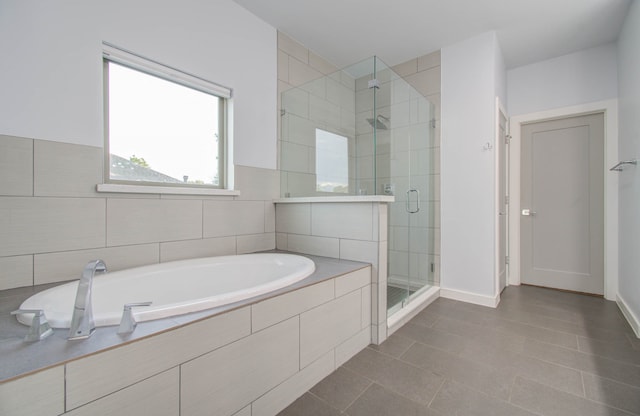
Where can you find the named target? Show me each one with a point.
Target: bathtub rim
(155, 312)
(21, 359)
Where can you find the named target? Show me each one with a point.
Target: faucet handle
(39, 328)
(128, 322)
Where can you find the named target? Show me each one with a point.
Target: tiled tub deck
(249, 358)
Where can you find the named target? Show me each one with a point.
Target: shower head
(379, 121)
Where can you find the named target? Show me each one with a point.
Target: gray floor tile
(542, 352)
(309, 405)
(492, 338)
(618, 340)
(634, 340)
(552, 375)
(516, 363)
(612, 393)
(594, 364)
(456, 399)
(425, 356)
(427, 317)
(521, 311)
(495, 382)
(459, 310)
(341, 388)
(458, 327)
(548, 401)
(380, 401)
(534, 332)
(411, 382)
(617, 352)
(395, 345)
(589, 310)
(434, 337)
(575, 326)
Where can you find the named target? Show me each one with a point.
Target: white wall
(500, 75)
(471, 79)
(577, 78)
(629, 148)
(51, 70)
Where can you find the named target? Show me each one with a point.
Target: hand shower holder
(619, 166)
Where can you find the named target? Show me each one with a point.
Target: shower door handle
(409, 201)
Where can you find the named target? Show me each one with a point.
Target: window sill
(171, 190)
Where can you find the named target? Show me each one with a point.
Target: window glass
(161, 131)
(332, 162)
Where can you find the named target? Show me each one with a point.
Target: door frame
(501, 110)
(610, 110)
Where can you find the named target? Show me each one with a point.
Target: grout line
(371, 383)
(444, 380)
(33, 270)
(33, 167)
(511, 387)
(106, 225)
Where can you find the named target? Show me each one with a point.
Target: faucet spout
(82, 324)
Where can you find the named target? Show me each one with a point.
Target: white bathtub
(175, 288)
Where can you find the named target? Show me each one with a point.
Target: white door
(562, 202)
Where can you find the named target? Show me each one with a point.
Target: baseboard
(631, 318)
(469, 297)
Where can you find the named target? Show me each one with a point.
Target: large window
(163, 126)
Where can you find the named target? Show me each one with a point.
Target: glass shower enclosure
(364, 130)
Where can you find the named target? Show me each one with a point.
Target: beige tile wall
(350, 231)
(40, 394)
(52, 221)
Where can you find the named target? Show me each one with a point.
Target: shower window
(162, 126)
(332, 162)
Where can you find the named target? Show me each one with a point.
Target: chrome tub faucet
(82, 324)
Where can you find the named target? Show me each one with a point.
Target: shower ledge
(353, 198)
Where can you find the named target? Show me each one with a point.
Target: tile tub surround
(260, 354)
(349, 228)
(52, 220)
(18, 358)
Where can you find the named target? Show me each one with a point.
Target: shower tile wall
(52, 221)
(296, 66)
(326, 103)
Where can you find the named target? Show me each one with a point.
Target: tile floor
(541, 352)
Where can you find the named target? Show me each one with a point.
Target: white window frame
(112, 53)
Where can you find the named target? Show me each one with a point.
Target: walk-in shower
(380, 122)
(364, 130)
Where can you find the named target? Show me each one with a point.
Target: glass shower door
(409, 158)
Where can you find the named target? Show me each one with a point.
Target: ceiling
(347, 31)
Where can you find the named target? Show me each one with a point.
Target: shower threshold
(417, 302)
